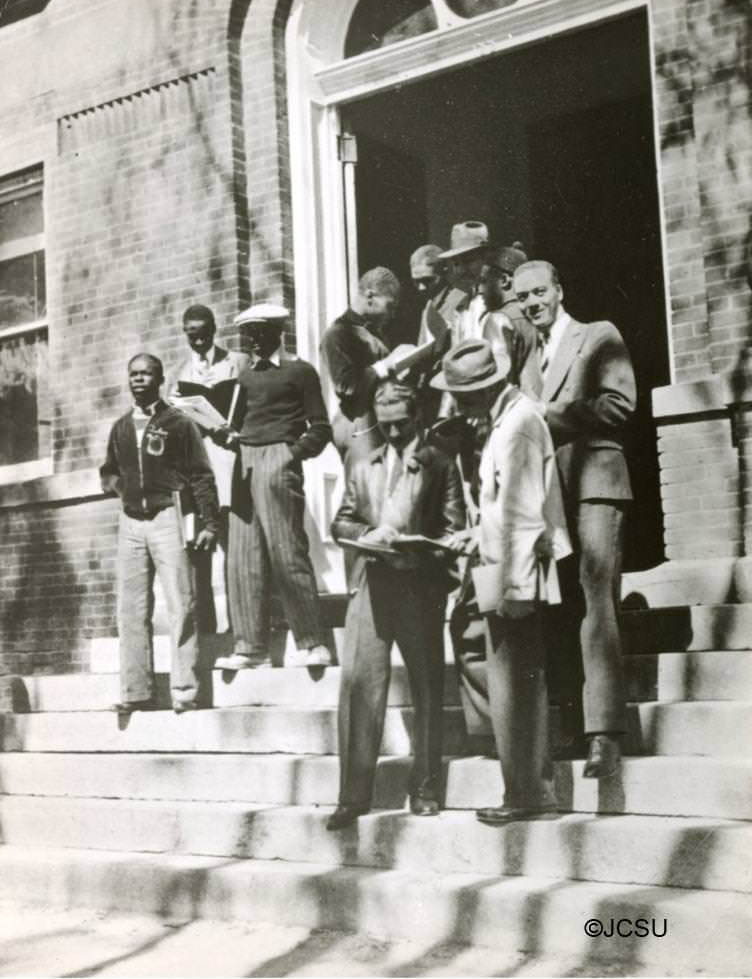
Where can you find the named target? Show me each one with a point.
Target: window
(377, 24)
(24, 399)
(13, 10)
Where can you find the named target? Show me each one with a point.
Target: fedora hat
(466, 237)
(470, 366)
(268, 313)
(507, 258)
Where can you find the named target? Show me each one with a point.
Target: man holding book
(154, 452)
(284, 422)
(402, 488)
(211, 371)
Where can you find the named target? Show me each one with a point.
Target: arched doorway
(535, 116)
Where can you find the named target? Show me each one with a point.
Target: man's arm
(109, 473)
(200, 478)
(352, 385)
(311, 443)
(610, 393)
(348, 524)
(453, 516)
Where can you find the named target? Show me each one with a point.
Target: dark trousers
(267, 541)
(390, 606)
(586, 645)
(519, 708)
(209, 567)
(467, 629)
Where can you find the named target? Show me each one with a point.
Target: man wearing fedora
(402, 487)
(430, 277)
(520, 533)
(588, 396)
(285, 422)
(209, 364)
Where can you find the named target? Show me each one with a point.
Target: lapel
(377, 481)
(569, 347)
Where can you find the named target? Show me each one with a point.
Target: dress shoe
(424, 805)
(501, 815)
(604, 757)
(181, 706)
(318, 656)
(236, 661)
(345, 816)
(129, 706)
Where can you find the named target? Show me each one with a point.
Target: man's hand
(514, 608)
(226, 437)
(385, 535)
(205, 540)
(462, 541)
(543, 548)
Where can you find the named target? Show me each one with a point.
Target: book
(407, 356)
(222, 396)
(364, 547)
(199, 410)
(419, 542)
(186, 519)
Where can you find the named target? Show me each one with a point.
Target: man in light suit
(521, 530)
(587, 395)
(208, 364)
(401, 487)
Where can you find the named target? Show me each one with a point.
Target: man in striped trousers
(285, 422)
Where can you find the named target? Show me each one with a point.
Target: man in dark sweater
(153, 453)
(285, 422)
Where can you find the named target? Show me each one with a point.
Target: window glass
(376, 24)
(24, 398)
(473, 8)
(22, 290)
(21, 217)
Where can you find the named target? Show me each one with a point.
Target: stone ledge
(60, 488)
(711, 396)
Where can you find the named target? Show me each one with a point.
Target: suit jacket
(520, 497)
(227, 364)
(427, 500)
(590, 396)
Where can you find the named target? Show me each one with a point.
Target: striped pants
(267, 542)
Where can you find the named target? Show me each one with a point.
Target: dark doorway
(551, 145)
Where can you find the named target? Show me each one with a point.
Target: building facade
(153, 155)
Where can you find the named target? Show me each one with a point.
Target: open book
(403, 543)
(217, 404)
(199, 410)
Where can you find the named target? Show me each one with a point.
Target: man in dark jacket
(402, 487)
(154, 452)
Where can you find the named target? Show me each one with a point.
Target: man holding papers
(210, 371)
(401, 488)
(520, 534)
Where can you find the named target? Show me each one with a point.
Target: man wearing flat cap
(402, 487)
(520, 533)
(285, 422)
(209, 365)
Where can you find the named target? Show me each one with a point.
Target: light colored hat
(269, 313)
(470, 366)
(466, 237)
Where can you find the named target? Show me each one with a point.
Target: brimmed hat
(425, 261)
(470, 366)
(268, 313)
(466, 237)
(508, 258)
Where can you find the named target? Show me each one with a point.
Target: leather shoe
(129, 706)
(500, 815)
(345, 816)
(181, 706)
(423, 805)
(604, 757)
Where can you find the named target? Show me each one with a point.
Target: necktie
(543, 351)
(394, 475)
(262, 364)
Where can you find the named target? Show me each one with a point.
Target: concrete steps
(656, 851)
(671, 786)
(715, 728)
(516, 913)
(725, 675)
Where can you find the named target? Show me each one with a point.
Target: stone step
(516, 913)
(723, 675)
(691, 628)
(718, 728)
(255, 730)
(688, 786)
(657, 851)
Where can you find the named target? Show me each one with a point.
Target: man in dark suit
(402, 487)
(588, 395)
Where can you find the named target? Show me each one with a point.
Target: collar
(210, 357)
(557, 328)
(147, 411)
(505, 400)
(275, 358)
(413, 454)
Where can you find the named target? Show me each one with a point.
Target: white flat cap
(270, 313)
